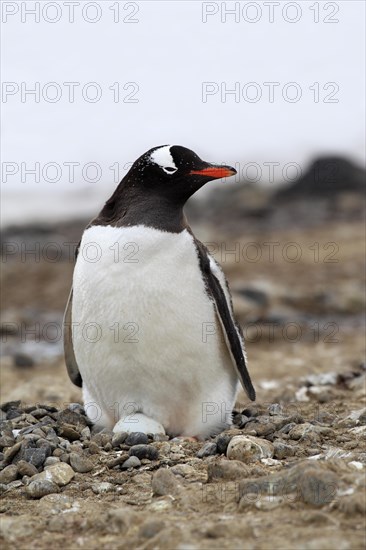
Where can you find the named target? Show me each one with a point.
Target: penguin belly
(146, 336)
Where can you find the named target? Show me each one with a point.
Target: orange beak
(215, 172)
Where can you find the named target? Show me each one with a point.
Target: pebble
(81, 463)
(13, 485)
(51, 460)
(39, 413)
(9, 474)
(222, 442)
(77, 408)
(40, 488)
(102, 438)
(56, 503)
(131, 462)
(150, 528)
(136, 438)
(61, 474)
(262, 428)
(69, 432)
(208, 449)
(35, 455)
(44, 444)
(318, 487)
(281, 450)
(10, 453)
(240, 420)
(103, 487)
(6, 441)
(229, 470)
(26, 468)
(164, 482)
(119, 438)
(184, 470)
(93, 448)
(144, 451)
(304, 431)
(13, 413)
(249, 449)
(10, 405)
(85, 433)
(275, 409)
(287, 428)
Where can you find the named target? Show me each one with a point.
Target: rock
(229, 470)
(93, 448)
(6, 441)
(10, 405)
(150, 528)
(275, 409)
(119, 520)
(51, 460)
(85, 434)
(117, 460)
(80, 463)
(23, 361)
(26, 468)
(164, 482)
(35, 455)
(304, 431)
(354, 419)
(240, 420)
(61, 474)
(119, 438)
(311, 483)
(13, 413)
(281, 450)
(102, 438)
(77, 408)
(103, 487)
(287, 428)
(44, 444)
(318, 487)
(56, 503)
(222, 443)
(184, 470)
(11, 452)
(136, 438)
(208, 449)
(249, 449)
(41, 487)
(144, 451)
(131, 462)
(68, 431)
(9, 474)
(39, 413)
(261, 428)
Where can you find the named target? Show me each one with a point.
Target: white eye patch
(163, 158)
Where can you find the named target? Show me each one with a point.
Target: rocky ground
(289, 474)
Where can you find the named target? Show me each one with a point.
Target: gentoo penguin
(149, 329)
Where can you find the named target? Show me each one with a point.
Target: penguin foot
(139, 422)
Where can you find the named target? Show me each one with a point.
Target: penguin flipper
(70, 360)
(216, 285)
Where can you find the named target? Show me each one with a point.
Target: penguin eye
(169, 169)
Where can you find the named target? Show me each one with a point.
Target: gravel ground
(287, 471)
(289, 474)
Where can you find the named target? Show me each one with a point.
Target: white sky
(169, 53)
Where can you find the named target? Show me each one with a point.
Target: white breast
(146, 336)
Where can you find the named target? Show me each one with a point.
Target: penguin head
(173, 170)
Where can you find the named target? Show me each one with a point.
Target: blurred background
(275, 89)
